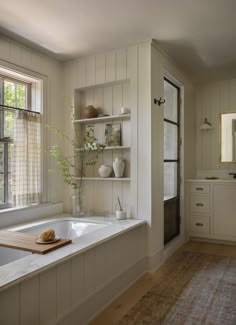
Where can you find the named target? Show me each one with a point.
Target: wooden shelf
(104, 84)
(117, 148)
(127, 179)
(107, 148)
(103, 119)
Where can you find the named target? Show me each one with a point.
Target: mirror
(228, 137)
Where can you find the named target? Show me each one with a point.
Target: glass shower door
(171, 161)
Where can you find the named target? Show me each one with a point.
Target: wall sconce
(206, 125)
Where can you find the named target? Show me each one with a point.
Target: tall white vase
(118, 167)
(75, 203)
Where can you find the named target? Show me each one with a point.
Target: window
(20, 145)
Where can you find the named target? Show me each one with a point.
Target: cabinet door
(224, 210)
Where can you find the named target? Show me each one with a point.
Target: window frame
(5, 141)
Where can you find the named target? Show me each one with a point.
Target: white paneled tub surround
(73, 283)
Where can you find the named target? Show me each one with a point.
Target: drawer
(199, 204)
(199, 225)
(200, 188)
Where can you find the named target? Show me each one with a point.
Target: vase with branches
(85, 152)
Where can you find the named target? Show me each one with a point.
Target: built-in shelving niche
(99, 194)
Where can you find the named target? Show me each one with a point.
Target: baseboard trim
(156, 260)
(213, 241)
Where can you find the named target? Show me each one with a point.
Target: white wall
(212, 99)
(17, 57)
(145, 66)
(162, 66)
(110, 67)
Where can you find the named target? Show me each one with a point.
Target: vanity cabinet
(212, 209)
(199, 208)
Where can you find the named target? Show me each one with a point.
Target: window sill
(12, 216)
(22, 208)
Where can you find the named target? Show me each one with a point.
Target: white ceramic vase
(104, 171)
(118, 167)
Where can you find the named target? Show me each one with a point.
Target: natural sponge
(48, 234)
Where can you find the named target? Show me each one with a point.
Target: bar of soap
(48, 234)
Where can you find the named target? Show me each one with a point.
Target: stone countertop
(26, 267)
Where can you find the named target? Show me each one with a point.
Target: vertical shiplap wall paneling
(100, 69)
(64, 287)
(156, 218)
(115, 66)
(205, 135)
(89, 275)
(132, 76)
(110, 59)
(208, 95)
(90, 71)
(116, 105)
(81, 73)
(69, 78)
(224, 107)
(29, 302)
(100, 265)
(48, 296)
(10, 306)
(198, 103)
(214, 106)
(13, 53)
(121, 64)
(144, 132)
(107, 105)
(125, 141)
(77, 279)
(4, 49)
(211, 100)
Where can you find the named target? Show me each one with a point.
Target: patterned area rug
(196, 289)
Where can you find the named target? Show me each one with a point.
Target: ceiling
(200, 35)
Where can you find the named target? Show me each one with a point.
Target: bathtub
(8, 255)
(71, 284)
(68, 228)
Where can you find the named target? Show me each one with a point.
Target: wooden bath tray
(26, 242)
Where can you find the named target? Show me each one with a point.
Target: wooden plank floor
(128, 299)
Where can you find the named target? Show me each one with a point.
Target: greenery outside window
(20, 145)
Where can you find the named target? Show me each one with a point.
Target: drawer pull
(199, 189)
(199, 224)
(199, 204)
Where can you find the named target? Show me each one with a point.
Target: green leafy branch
(67, 165)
